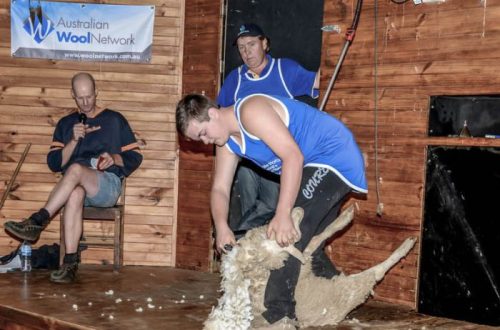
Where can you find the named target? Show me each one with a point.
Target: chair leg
(62, 245)
(118, 240)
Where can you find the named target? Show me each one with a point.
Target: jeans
(254, 198)
(110, 188)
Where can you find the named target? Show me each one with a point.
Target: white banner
(81, 32)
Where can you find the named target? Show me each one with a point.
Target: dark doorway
(460, 267)
(293, 26)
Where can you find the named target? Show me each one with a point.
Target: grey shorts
(110, 187)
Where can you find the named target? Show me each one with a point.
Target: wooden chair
(116, 214)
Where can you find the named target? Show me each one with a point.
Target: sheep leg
(382, 268)
(292, 250)
(343, 220)
(297, 216)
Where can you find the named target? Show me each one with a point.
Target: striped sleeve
(56, 145)
(130, 152)
(54, 157)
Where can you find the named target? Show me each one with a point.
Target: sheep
(319, 301)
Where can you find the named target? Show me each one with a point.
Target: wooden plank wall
(421, 50)
(200, 75)
(35, 93)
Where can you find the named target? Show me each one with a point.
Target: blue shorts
(110, 188)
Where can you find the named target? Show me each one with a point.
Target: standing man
(261, 73)
(316, 156)
(95, 149)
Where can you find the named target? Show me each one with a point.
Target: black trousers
(321, 195)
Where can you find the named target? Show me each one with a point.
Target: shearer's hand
(224, 237)
(282, 230)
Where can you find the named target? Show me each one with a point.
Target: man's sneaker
(26, 230)
(285, 323)
(66, 274)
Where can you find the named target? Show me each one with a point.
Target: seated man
(94, 148)
(316, 156)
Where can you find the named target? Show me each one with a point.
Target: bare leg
(297, 216)
(78, 181)
(72, 217)
(76, 175)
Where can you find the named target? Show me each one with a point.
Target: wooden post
(16, 172)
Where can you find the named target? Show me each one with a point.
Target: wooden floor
(154, 298)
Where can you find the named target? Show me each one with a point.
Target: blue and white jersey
(324, 141)
(282, 77)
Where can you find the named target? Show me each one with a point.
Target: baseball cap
(249, 29)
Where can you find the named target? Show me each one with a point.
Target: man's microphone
(82, 118)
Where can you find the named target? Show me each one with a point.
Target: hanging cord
(349, 37)
(380, 205)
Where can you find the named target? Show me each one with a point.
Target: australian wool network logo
(64, 33)
(38, 25)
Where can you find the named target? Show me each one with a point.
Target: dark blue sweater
(114, 137)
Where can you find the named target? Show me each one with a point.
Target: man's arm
(262, 117)
(129, 160)
(227, 90)
(130, 157)
(298, 80)
(225, 167)
(63, 145)
(67, 151)
(60, 154)
(79, 132)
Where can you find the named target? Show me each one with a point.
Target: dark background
(293, 26)
(448, 113)
(460, 263)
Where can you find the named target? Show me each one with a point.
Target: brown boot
(66, 274)
(26, 230)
